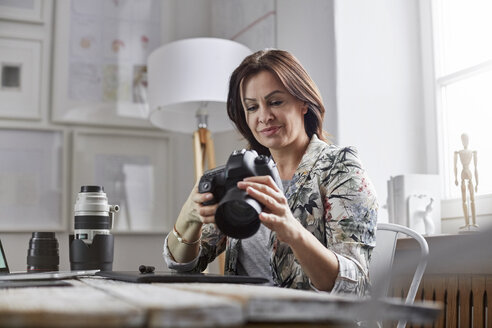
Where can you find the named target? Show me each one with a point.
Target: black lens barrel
(92, 222)
(237, 214)
(42, 254)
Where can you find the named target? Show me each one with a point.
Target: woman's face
(275, 117)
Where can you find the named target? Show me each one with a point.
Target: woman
(319, 233)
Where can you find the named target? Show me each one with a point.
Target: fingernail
(208, 196)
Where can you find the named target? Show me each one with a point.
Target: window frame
(433, 82)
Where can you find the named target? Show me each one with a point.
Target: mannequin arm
(455, 168)
(476, 171)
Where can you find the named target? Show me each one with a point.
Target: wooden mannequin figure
(465, 155)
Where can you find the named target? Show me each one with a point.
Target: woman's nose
(265, 114)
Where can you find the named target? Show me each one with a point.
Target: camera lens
(42, 254)
(93, 214)
(237, 214)
(238, 208)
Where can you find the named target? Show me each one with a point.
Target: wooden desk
(97, 302)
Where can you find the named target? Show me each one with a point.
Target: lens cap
(92, 189)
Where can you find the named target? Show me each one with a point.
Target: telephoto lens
(42, 254)
(92, 244)
(93, 215)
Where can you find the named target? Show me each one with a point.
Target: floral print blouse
(332, 197)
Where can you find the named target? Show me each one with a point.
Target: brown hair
(296, 81)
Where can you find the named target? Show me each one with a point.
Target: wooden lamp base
(203, 149)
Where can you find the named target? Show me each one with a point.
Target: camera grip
(203, 187)
(213, 181)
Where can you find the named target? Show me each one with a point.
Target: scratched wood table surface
(270, 304)
(98, 302)
(79, 306)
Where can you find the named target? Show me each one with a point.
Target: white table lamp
(187, 89)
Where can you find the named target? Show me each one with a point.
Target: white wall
(379, 95)
(186, 19)
(306, 28)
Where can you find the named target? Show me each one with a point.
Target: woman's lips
(270, 131)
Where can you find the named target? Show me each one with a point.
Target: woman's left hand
(276, 214)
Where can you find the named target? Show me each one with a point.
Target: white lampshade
(187, 74)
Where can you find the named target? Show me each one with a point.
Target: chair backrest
(380, 269)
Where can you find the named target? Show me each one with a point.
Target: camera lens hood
(237, 214)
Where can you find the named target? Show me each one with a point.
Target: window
(463, 65)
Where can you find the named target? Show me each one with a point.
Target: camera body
(237, 212)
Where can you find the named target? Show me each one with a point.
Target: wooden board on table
(76, 306)
(166, 306)
(273, 304)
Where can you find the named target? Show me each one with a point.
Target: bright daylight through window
(463, 58)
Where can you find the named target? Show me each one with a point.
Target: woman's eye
(251, 108)
(276, 103)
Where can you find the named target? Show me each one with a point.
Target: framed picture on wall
(134, 171)
(20, 78)
(100, 73)
(22, 10)
(32, 188)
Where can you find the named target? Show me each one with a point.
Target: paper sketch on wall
(250, 22)
(139, 87)
(465, 156)
(109, 44)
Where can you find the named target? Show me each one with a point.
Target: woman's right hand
(206, 212)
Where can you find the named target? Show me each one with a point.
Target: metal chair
(380, 269)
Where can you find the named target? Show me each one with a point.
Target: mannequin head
(464, 140)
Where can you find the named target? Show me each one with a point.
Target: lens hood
(96, 256)
(237, 214)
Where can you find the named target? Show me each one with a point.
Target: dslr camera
(237, 213)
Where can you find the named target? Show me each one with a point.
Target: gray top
(254, 255)
(285, 184)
